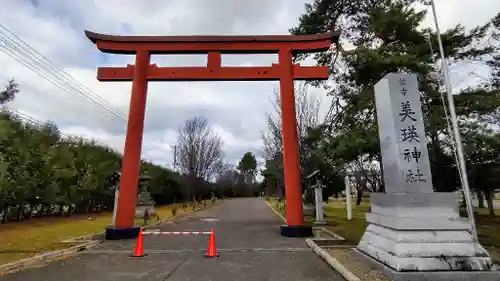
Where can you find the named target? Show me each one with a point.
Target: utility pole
(174, 147)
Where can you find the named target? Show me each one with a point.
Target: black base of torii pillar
(300, 231)
(113, 233)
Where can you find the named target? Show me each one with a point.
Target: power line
(23, 53)
(50, 65)
(23, 117)
(63, 85)
(31, 88)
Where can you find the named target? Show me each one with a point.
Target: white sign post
(318, 197)
(412, 229)
(348, 197)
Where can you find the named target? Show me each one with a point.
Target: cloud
(235, 109)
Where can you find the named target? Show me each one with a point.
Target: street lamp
(454, 125)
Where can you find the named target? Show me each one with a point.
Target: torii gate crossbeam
(143, 71)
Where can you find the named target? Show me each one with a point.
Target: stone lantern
(144, 199)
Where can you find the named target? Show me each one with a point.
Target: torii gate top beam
(234, 44)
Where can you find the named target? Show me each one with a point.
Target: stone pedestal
(424, 232)
(412, 230)
(144, 201)
(139, 211)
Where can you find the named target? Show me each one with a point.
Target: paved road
(247, 235)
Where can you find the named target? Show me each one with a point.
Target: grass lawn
(24, 239)
(336, 214)
(488, 227)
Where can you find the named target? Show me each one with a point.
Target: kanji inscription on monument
(402, 135)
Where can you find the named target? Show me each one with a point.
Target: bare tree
(230, 178)
(200, 151)
(227, 175)
(307, 112)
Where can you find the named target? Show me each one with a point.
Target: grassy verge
(336, 215)
(277, 205)
(488, 227)
(28, 238)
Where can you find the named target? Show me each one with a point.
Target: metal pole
(454, 124)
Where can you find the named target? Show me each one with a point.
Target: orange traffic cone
(212, 249)
(139, 247)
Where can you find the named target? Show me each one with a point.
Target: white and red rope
(177, 233)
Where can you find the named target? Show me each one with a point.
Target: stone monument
(413, 232)
(144, 199)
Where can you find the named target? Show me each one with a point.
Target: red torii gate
(142, 72)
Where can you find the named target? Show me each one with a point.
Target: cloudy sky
(54, 28)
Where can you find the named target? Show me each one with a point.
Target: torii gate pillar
(285, 71)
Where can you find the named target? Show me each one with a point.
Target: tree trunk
(27, 215)
(70, 210)
(42, 211)
(359, 195)
(480, 198)
(61, 210)
(280, 192)
(489, 200)
(90, 206)
(382, 182)
(20, 212)
(5, 213)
